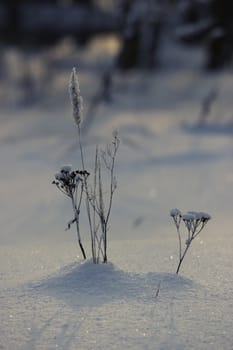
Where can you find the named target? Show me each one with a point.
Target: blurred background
(159, 71)
(37, 38)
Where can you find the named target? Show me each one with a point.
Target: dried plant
(194, 223)
(78, 184)
(76, 98)
(100, 204)
(71, 184)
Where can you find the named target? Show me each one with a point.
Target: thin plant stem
(76, 214)
(87, 198)
(190, 239)
(182, 258)
(177, 224)
(102, 216)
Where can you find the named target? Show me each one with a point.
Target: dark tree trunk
(14, 25)
(140, 38)
(220, 44)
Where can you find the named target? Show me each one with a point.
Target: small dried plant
(71, 184)
(100, 205)
(194, 223)
(79, 184)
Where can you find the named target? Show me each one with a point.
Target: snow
(66, 168)
(175, 212)
(204, 216)
(49, 297)
(189, 217)
(115, 305)
(199, 215)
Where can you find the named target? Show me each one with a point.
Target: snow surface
(49, 298)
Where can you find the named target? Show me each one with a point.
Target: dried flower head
(75, 97)
(66, 169)
(175, 212)
(204, 217)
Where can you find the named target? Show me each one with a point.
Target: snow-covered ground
(49, 298)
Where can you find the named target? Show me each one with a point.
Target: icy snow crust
(49, 298)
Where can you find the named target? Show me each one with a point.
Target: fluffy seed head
(75, 97)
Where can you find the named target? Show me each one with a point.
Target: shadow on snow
(181, 159)
(213, 128)
(88, 284)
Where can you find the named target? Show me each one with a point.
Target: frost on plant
(76, 98)
(194, 223)
(71, 184)
(96, 191)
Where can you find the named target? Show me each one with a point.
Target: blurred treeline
(139, 24)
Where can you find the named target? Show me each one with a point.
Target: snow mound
(88, 284)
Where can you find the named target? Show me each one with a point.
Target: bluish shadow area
(136, 130)
(213, 128)
(87, 284)
(181, 159)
